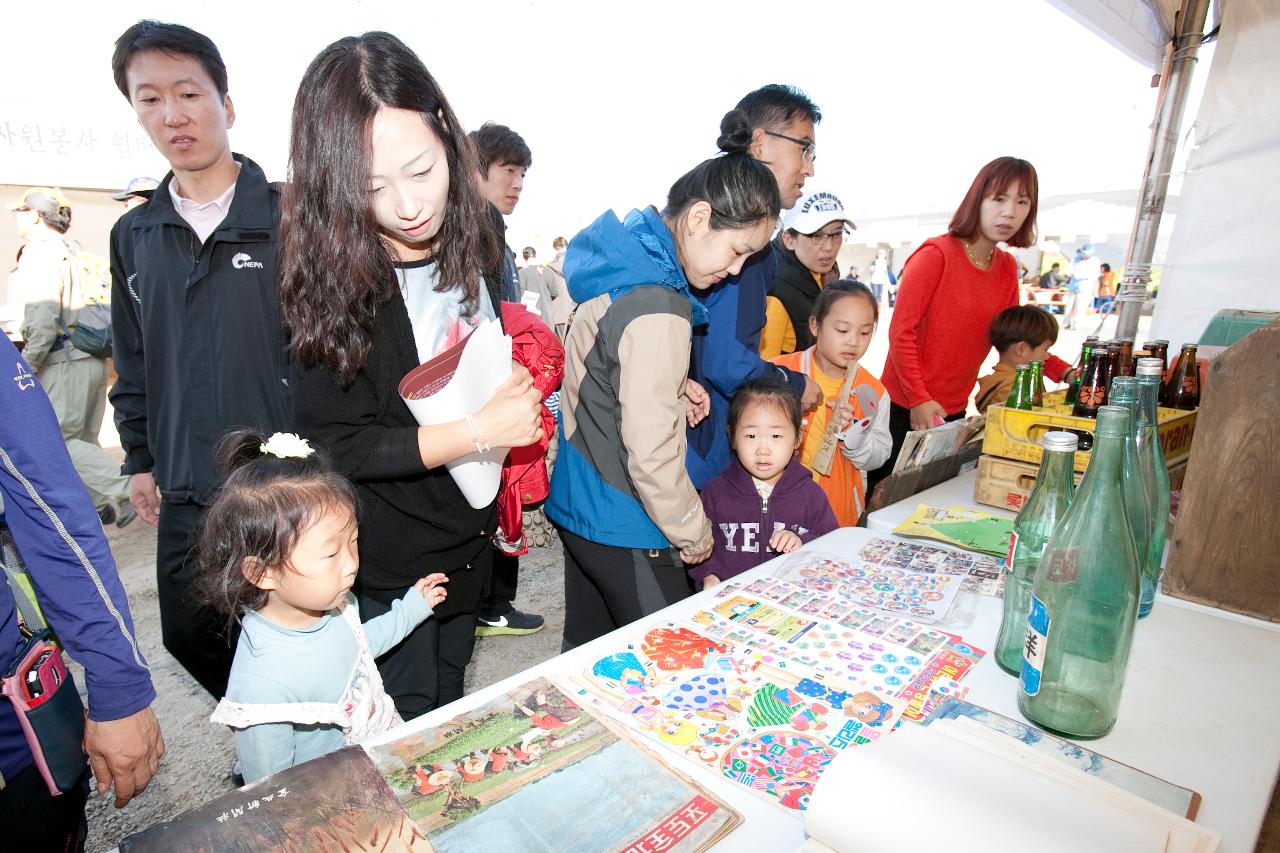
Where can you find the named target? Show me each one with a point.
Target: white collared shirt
(204, 217)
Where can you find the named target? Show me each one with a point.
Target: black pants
(899, 426)
(606, 587)
(195, 634)
(34, 820)
(502, 586)
(426, 669)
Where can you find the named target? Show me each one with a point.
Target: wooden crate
(1016, 433)
(1006, 484)
(1225, 543)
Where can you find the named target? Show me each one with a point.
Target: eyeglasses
(809, 152)
(822, 238)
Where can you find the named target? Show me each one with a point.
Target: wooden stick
(826, 455)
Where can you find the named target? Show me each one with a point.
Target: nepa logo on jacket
(241, 260)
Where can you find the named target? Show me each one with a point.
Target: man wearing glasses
(726, 352)
(812, 234)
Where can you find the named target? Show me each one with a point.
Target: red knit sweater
(938, 335)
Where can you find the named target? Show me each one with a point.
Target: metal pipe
(1132, 293)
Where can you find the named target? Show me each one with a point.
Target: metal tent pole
(1132, 293)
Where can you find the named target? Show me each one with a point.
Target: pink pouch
(49, 710)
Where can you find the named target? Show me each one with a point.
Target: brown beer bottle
(1182, 390)
(1093, 385)
(1109, 365)
(1160, 349)
(1125, 367)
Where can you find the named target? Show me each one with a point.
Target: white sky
(617, 100)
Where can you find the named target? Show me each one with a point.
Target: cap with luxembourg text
(814, 210)
(142, 187)
(42, 200)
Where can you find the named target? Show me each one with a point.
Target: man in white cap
(136, 192)
(52, 284)
(812, 233)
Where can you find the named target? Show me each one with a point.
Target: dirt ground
(197, 764)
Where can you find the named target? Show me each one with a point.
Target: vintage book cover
(532, 770)
(336, 803)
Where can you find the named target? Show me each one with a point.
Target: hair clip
(287, 445)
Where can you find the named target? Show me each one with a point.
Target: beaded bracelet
(477, 439)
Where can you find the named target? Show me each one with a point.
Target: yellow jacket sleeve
(778, 336)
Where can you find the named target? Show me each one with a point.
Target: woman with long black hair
(384, 242)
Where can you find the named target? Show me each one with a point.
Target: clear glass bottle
(1137, 488)
(1055, 486)
(1084, 602)
(1155, 471)
(1020, 394)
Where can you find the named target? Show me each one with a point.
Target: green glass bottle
(1020, 394)
(1037, 384)
(1074, 389)
(1137, 490)
(1084, 601)
(1055, 486)
(1155, 471)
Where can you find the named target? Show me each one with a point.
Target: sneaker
(106, 514)
(237, 777)
(127, 515)
(514, 622)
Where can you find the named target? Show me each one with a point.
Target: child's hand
(843, 413)
(697, 402)
(784, 542)
(430, 589)
(927, 415)
(710, 581)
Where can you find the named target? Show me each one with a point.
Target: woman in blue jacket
(627, 512)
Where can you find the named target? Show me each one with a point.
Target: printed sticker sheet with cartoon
(891, 655)
(765, 722)
(982, 573)
(918, 595)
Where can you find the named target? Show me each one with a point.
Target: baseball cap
(42, 200)
(142, 187)
(814, 210)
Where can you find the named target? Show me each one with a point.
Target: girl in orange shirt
(844, 319)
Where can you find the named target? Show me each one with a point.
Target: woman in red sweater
(951, 288)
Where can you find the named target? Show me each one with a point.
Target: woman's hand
(927, 415)
(811, 397)
(691, 557)
(697, 402)
(513, 416)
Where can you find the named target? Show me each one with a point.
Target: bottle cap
(1024, 367)
(1113, 422)
(1058, 440)
(1150, 367)
(1034, 363)
(1124, 389)
(1158, 341)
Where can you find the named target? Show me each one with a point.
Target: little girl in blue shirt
(278, 551)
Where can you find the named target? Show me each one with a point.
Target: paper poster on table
(456, 383)
(337, 803)
(532, 770)
(981, 573)
(961, 526)
(763, 722)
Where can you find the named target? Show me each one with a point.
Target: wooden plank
(1225, 550)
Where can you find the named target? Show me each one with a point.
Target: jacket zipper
(765, 532)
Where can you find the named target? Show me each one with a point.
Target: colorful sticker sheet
(894, 656)
(765, 722)
(962, 526)
(982, 573)
(919, 595)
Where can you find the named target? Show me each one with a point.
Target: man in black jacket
(198, 341)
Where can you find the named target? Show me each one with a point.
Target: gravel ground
(197, 762)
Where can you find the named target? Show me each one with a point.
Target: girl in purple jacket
(767, 503)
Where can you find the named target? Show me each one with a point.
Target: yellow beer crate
(1006, 484)
(1016, 433)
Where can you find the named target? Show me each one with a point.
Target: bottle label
(1033, 647)
(1091, 396)
(1013, 547)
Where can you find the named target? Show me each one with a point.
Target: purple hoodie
(742, 523)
